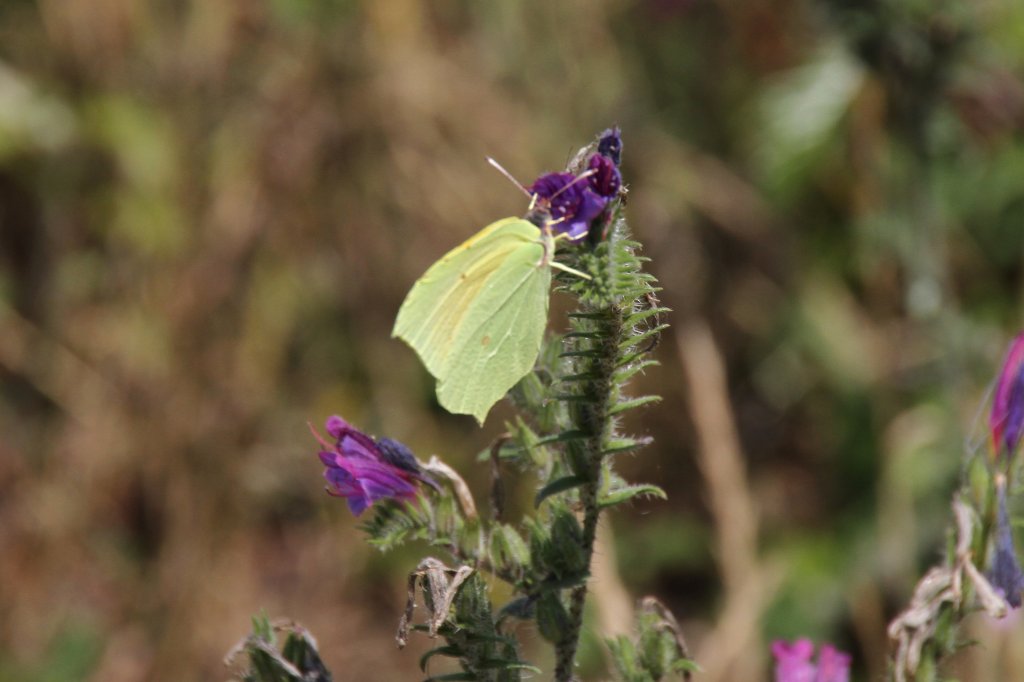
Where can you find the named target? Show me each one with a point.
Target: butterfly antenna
(511, 178)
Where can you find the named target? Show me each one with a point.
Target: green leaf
(623, 375)
(448, 650)
(552, 618)
(635, 339)
(633, 404)
(638, 317)
(627, 493)
(559, 486)
(565, 555)
(686, 665)
(620, 445)
(509, 551)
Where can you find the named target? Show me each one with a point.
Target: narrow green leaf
(449, 650)
(619, 445)
(559, 485)
(638, 338)
(638, 317)
(564, 436)
(620, 495)
(686, 665)
(632, 404)
(627, 360)
(623, 375)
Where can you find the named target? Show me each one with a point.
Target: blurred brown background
(210, 212)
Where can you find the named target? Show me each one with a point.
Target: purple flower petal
(606, 179)
(1006, 421)
(357, 504)
(833, 665)
(1005, 574)
(570, 201)
(363, 470)
(793, 661)
(337, 427)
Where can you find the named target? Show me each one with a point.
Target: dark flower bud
(400, 456)
(1005, 575)
(609, 145)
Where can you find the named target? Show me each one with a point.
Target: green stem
(593, 419)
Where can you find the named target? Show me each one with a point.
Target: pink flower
(793, 663)
(1006, 422)
(833, 665)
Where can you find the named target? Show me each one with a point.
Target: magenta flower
(793, 663)
(833, 665)
(1006, 422)
(364, 470)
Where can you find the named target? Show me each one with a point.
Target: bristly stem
(599, 329)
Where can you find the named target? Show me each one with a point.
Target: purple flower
(605, 180)
(1007, 419)
(793, 663)
(570, 202)
(363, 470)
(1005, 574)
(833, 665)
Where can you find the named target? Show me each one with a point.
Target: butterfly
(476, 318)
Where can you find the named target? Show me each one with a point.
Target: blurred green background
(210, 212)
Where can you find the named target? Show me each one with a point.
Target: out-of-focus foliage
(210, 212)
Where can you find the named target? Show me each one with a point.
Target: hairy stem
(593, 419)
